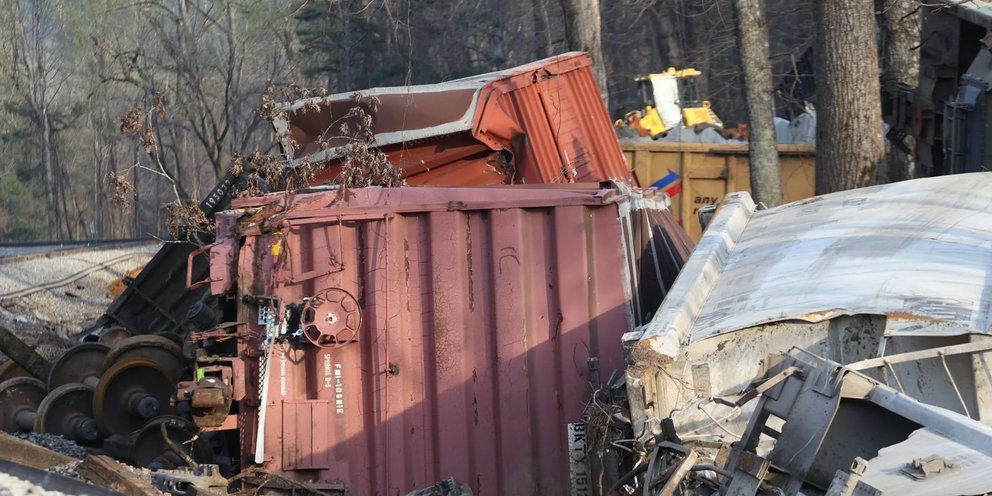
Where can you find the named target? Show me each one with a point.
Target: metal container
(701, 174)
(543, 122)
(422, 333)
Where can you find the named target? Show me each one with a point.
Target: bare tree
(849, 140)
(583, 30)
(543, 44)
(752, 31)
(199, 64)
(37, 82)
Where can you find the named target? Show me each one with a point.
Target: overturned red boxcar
(543, 122)
(539, 123)
(385, 339)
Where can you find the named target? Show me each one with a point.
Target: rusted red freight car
(390, 338)
(542, 122)
(539, 123)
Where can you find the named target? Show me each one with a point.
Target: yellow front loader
(671, 99)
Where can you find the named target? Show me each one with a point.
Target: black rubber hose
(714, 468)
(629, 476)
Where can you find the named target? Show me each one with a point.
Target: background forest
(69, 71)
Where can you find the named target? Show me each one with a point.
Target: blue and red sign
(671, 183)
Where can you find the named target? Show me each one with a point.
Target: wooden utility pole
(849, 144)
(583, 31)
(752, 36)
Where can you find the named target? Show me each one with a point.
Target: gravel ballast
(55, 443)
(49, 319)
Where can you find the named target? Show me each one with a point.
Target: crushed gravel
(70, 469)
(55, 443)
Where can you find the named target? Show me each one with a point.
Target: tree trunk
(345, 64)
(901, 32)
(51, 185)
(666, 36)
(752, 32)
(849, 145)
(543, 46)
(901, 65)
(583, 32)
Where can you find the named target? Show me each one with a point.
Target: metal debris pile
(819, 427)
(836, 345)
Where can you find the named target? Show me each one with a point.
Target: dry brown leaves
(267, 104)
(267, 166)
(364, 166)
(251, 187)
(123, 190)
(132, 120)
(185, 221)
(237, 165)
(159, 101)
(147, 140)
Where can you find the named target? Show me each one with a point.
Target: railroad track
(31, 283)
(21, 251)
(69, 278)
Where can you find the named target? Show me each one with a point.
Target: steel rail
(66, 248)
(68, 279)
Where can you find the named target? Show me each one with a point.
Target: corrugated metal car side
(473, 354)
(569, 133)
(487, 320)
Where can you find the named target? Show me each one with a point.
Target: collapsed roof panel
(404, 114)
(894, 277)
(916, 251)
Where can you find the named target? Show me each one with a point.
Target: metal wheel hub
(80, 364)
(68, 411)
(130, 393)
(19, 400)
